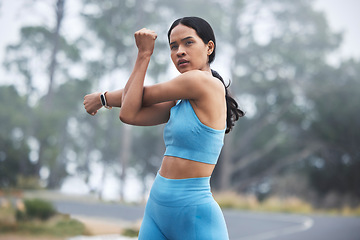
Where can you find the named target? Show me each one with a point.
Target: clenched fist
(145, 40)
(92, 103)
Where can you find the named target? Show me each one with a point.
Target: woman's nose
(180, 51)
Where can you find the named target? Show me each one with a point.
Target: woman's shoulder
(194, 84)
(202, 78)
(197, 73)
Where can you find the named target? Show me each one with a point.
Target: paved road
(241, 225)
(269, 226)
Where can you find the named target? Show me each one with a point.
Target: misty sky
(342, 16)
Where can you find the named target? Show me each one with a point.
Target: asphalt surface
(241, 225)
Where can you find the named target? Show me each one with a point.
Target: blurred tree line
(299, 137)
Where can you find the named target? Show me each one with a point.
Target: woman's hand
(92, 103)
(145, 40)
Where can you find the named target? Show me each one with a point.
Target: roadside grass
(14, 220)
(231, 200)
(130, 232)
(60, 226)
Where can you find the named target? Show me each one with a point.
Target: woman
(198, 111)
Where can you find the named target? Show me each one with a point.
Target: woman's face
(188, 51)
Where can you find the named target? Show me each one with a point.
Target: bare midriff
(179, 168)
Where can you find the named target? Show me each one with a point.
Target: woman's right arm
(151, 112)
(92, 101)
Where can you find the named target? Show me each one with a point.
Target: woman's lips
(183, 63)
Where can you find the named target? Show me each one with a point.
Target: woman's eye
(189, 43)
(173, 47)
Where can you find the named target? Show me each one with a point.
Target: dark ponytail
(233, 113)
(205, 32)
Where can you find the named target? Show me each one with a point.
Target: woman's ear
(211, 46)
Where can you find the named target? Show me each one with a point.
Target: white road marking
(302, 223)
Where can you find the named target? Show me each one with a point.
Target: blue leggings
(182, 209)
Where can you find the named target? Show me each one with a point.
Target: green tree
(35, 58)
(336, 123)
(14, 150)
(271, 70)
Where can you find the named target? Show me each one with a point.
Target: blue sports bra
(186, 137)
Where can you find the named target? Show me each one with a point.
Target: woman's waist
(181, 192)
(180, 168)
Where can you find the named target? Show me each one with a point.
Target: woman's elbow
(121, 118)
(125, 118)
